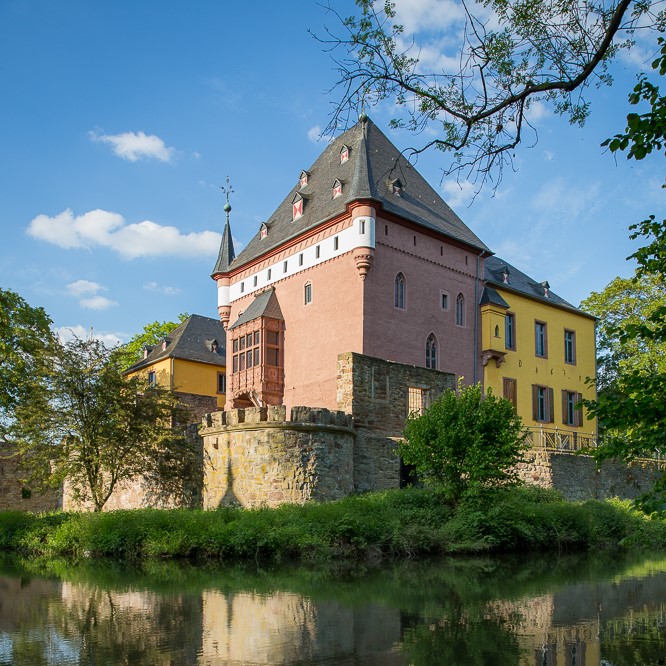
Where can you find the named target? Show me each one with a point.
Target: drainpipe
(476, 319)
(171, 373)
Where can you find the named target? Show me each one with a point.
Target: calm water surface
(543, 611)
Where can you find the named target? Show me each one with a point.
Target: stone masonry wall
(16, 494)
(577, 477)
(375, 392)
(256, 457)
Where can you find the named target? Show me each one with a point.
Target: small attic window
(505, 275)
(337, 188)
(297, 207)
(263, 231)
(212, 346)
(304, 178)
(344, 154)
(546, 288)
(397, 187)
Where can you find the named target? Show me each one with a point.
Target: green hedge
(398, 523)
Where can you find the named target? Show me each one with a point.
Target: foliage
(626, 302)
(26, 343)
(464, 440)
(390, 524)
(477, 105)
(152, 334)
(90, 425)
(633, 410)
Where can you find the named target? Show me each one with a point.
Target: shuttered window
(572, 413)
(510, 390)
(542, 404)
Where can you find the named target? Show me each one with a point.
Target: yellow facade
(538, 376)
(186, 377)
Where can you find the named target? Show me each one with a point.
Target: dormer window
(546, 289)
(505, 275)
(304, 178)
(263, 232)
(297, 207)
(337, 188)
(397, 187)
(344, 154)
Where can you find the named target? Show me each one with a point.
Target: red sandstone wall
(429, 267)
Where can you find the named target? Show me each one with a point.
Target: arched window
(460, 310)
(399, 292)
(431, 352)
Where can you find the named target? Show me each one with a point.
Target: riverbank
(391, 524)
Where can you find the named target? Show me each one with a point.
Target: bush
(465, 440)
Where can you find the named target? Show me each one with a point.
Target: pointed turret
(224, 259)
(227, 254)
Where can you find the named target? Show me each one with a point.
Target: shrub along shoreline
(373, 526)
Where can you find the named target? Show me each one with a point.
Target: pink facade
(432, 268)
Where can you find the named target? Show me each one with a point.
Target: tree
(465, 439)
(90, 425)
(623, 302)
(26, 343)
(152, 334)
(633, 410)
(477, 107)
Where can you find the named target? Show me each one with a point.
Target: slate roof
(489, 295)
(265, 304)
(227, 253)
(373, 164)
(521, 283)
(190, 341)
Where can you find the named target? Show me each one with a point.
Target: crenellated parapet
(256, 456)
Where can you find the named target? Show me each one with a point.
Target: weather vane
(228, 189)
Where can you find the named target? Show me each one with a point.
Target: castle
(365, 295)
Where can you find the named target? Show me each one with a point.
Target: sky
(121, 120)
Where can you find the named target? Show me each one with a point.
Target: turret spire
(227, 253)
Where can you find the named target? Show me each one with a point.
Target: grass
(372, 526)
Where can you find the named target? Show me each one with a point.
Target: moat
(600, 609)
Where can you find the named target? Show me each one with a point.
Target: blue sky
(120, 120)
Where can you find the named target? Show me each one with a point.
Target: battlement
(278, 414)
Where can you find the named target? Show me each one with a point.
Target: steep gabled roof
(265, 304)
(521, 283)
(373, 164)
(192, 341)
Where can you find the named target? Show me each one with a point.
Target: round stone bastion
(257, 457)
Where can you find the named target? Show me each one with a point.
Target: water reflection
(541, 611)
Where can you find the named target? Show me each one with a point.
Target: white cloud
(418, 15)
(549, 156)
(87, 293)
(167, 291)
(67, 333)
(315, 135)
(100, 228)
(133, 146)
(97, 303)
(458, 194)
(83, 287)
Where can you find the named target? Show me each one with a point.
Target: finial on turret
(227, 191)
